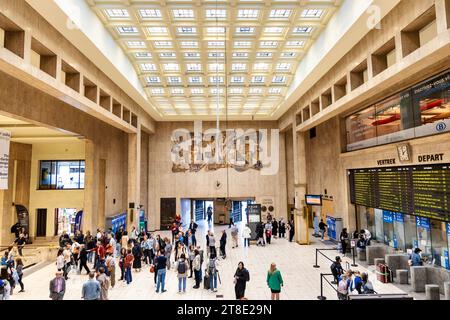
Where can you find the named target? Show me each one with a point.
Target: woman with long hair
(19, 269)
(123, 254)
(241, 276)
(274, 281)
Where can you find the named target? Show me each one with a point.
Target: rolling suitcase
(206, 282)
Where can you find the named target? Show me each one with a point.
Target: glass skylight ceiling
(185, 53)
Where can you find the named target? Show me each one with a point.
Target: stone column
(134, 173)
(301, 225)
(89, 221)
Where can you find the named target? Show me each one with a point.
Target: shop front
(67, 220)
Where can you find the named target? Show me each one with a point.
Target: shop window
(439, 243)
(57, 175)
(424, 237)
(399, 232)
(388, 228)
(65, 220)
(379, 233)
(360, 127)
(410, 232)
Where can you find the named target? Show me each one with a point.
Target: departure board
(419, 190)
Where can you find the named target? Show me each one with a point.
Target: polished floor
(301, 280)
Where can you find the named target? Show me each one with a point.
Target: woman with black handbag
(241, 276)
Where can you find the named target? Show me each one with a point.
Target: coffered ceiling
(193, 57)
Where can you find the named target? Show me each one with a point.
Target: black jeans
(20, 282)
(83, 264)
(291, 236)
(147, 256)
(198, 277)
(222, 250)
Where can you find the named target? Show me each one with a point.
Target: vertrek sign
(214, 149)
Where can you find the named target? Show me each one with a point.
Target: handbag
(152, 269)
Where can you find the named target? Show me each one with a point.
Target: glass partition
(379, 234)
(424, 237)
(439, 242)
(388, 228)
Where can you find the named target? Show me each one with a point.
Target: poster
(5, 138)
(254, 217)
(23, 217)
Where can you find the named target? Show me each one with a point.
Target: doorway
(168, 212)
(41, 223)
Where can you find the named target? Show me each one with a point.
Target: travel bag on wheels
(384, 273)
(206, 281)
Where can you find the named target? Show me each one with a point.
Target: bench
(423, 275)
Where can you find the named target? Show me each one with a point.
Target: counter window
(57, 175)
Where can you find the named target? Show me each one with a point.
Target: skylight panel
(127, 30)
(302, 30)
(279, 79)
(148, 67)
(237, 79)
(171, 67)
(268, 44)
(215, 30)
(245, 30)
(240, 54)
(153, 79)
(236, 90)
(280, 13)
(242, 44)
(248, 13)
(216, 55)
(288, 54)
(183, 13)
(189, 44)
(264, 54)
(135, 44)
(197, 91)
(174, 80)
(312, 13)
(163, 44)
(157, 91)
(193, 67)
(215, 91)
(261, 66)
(117, 13)
(157, 30)
(283, 66)
(238, 67)
(216, 79)
(216, 13)
(150, 13)
(258, 79)
(141, 55)
(273, 30)
(191, 55)
(167, 55)
(216, 67)
(255, 91)
(295, 43)
(177, 91)
(274, 90)
(187, 30)
(216, 43)
(195, 79)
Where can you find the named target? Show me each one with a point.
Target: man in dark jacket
(223, 243)
(83, 259)
(336, 269)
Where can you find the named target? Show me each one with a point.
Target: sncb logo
(441, 126)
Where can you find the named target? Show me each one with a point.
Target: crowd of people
(181, 255)
(11, 272)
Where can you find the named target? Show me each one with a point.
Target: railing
(322, 277)
(332, 249)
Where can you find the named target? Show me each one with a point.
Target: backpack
(181, 267)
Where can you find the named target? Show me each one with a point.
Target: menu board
(419, 190)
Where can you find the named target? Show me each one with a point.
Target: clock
(218, 184)
(404, 152)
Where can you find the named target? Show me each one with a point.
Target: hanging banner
(5, 138)
(78, 219)
(23, 217)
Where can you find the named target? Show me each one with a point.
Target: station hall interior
(133, 113)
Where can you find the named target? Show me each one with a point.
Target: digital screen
(423, 191)
(313, 200)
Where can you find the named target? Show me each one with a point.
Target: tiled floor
(295, 262)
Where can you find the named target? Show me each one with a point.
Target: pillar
(90, 208)
(134, 173)
(300, 218)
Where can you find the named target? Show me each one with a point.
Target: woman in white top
(246, 234)
(60, 260)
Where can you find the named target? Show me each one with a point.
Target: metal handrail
(316, 265)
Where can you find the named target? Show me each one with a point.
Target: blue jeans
(213, 280)
(90, 256)
(118, 248)
(128, 277)
(182, 284)
(322, 233)
(161, 279)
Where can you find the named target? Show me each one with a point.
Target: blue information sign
(398, 217)
(448, 228)
(423, 222)
(388, 216)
